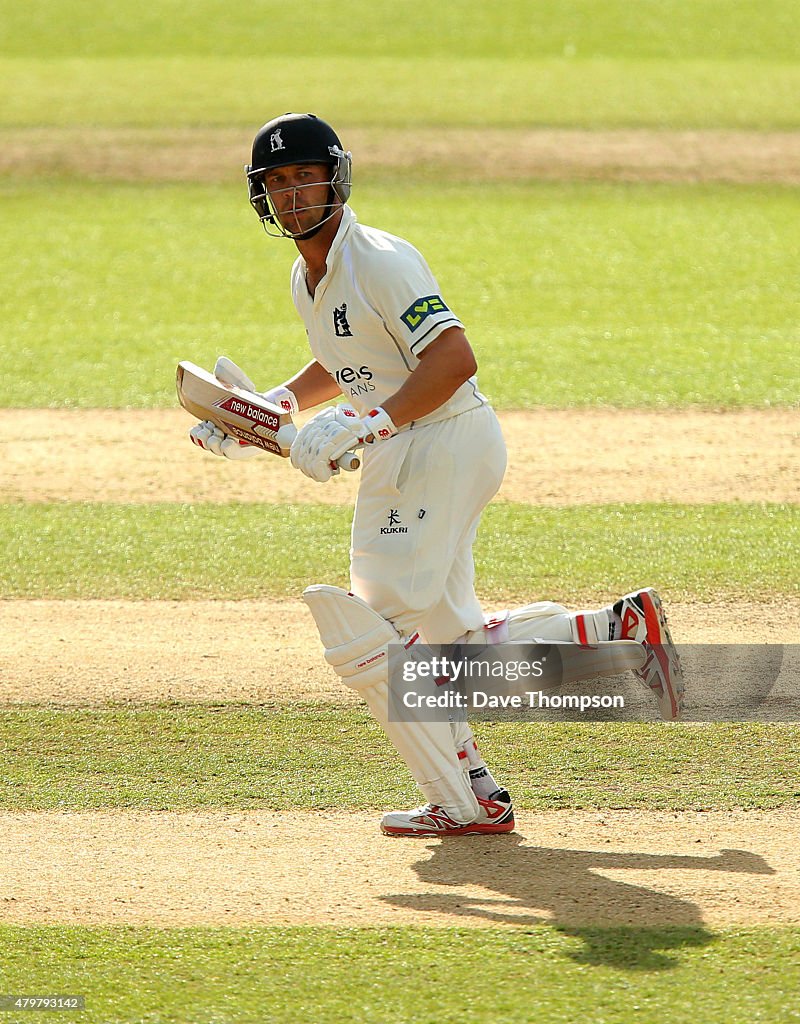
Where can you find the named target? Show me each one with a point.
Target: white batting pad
(353, 635)
(355, 639)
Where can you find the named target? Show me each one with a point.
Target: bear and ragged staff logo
(340, 324)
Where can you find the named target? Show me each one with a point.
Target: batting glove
(324, 439)
(309, 451)
(282, 397)
(207, 435)
(227, 372)
(380, 424)
(354, 431)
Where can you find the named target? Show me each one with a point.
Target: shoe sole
(659, 639)
(467, 830)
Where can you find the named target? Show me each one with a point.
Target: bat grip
(348, 462)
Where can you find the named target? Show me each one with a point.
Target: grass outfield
(192, 551)
(298, 757)
(397, 92)
(654, 29)
(428, 976)
(573, 63)
(628, 296)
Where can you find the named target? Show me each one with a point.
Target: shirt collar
(345, 225)
(348, 220)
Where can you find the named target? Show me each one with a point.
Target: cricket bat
(240, 413)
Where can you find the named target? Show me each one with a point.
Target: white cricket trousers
(420, 499)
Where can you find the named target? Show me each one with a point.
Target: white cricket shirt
(375, 310)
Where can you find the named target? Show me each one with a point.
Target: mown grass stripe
(631, 295)
(661, 29)
(550, 974)
(309, 756)
(585, 92)
(523, 552)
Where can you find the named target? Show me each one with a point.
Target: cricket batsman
(383, 336)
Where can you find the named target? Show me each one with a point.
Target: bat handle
(348, 462)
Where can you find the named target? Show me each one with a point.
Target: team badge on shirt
(421, 309)
(340, 324)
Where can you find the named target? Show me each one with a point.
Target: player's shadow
(619, 924)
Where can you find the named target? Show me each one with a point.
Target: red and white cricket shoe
(496, 815)
(644, 620)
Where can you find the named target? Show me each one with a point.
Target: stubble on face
(300, 194)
